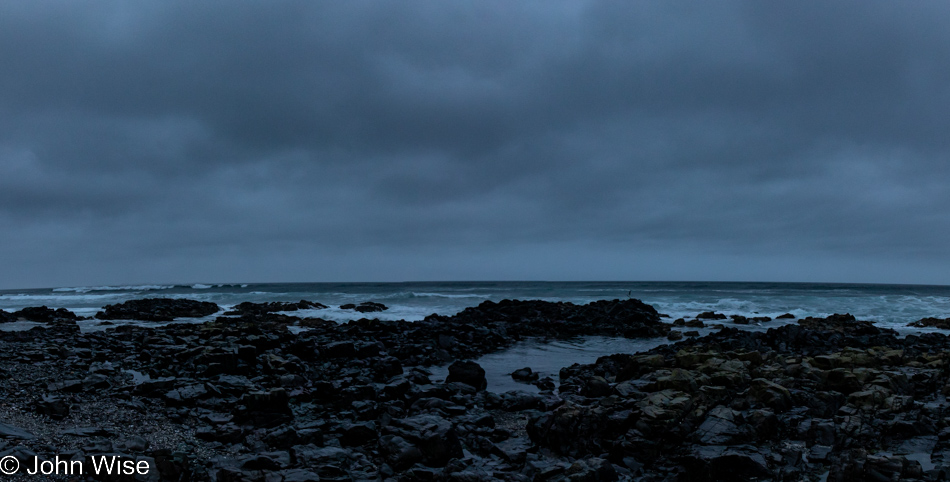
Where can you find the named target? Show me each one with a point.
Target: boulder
(723, 426)
(770, 394)
(7, 317)
(469, 373)
(365, 307)
(524, 375)
(434, 437)
(930, 322)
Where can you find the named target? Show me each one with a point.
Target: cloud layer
(301, 141)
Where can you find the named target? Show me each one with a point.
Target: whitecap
(86, 289)
(443, 295)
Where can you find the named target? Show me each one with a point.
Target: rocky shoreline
(244, 398)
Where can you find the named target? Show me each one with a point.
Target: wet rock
(341, 349)
(88, 432)
(741, 462)
(524, 375)
(42, 314)
(10, 432)
(157, 309)
(228, 433)
(740, 320)
(7, 317)
(356, 434)
(722, 427)
(365, 307)
(942, 323)
(572, 430)
(596, 387)
(546, 383)
(469, 373)
(399, 452)
(298, 475)
(133, 444)
(265, 409)
(628, 318)
(55, 407)
(770, 394)
(710, 315)
(334, 401)
(512, 450)
(251, 309)
(516, 401)
(434, 436)
(593, 469)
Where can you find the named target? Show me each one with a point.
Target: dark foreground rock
(157, 309)
(832, 395)
(244, 399)
(469, 373)
(942, 323)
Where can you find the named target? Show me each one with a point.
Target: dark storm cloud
(358, 140)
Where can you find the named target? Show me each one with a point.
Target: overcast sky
(145, 142)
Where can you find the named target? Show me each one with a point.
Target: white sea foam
(444, 295)
(57, 300)
(86, 289)
(199, 286)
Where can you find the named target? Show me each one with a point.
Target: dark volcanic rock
(740, 320)
(157, 309)
(14, 433)
(787, 404)
(524, 375)
(42, 314)
(266, 409)
(246, 399)
(365, 307)
(7, 317)
(942, 323)
(250, 309)
(435, 438)
(53, 406)
(710, 315)
(629, 318)
(469, 373)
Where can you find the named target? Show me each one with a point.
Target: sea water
(889, 306)
(892, 306)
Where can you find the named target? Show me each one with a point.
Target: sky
(183, 141)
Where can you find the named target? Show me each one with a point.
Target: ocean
(892, 306)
